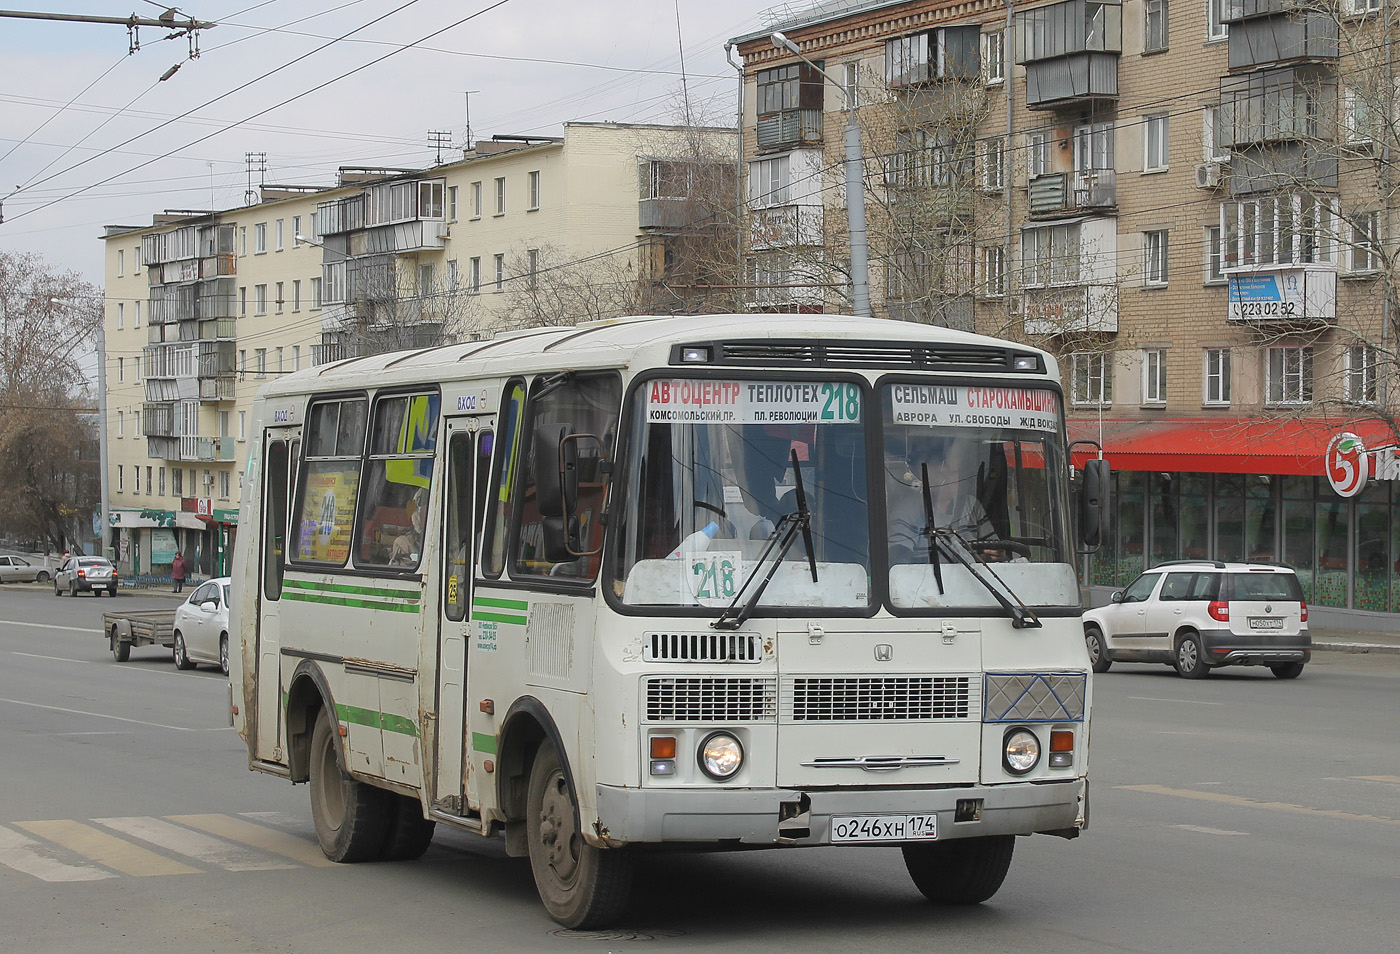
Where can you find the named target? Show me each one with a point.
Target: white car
(1197, 615)
(201, 626)
(15, 569)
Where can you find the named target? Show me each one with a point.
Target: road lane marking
(1379, 778)
(107, 850)
(1239, 801)
(69, 659)
(103, 715)
(192, 844)
(258, 836)
(30, 857)
(71, 629)
(1209, 831)
(1189, 702)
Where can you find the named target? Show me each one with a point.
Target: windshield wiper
(780, 541)
(931, 531)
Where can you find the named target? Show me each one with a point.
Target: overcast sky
(90, 136)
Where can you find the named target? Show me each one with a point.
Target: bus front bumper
(790, 817)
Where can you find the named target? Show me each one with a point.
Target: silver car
(85, 573)
(201, 626)
(15, 569)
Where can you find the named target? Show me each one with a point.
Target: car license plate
(848, 828)
(1265, 622)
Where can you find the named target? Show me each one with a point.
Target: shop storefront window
(1333, 521)
(1371, 587)
(1297, 531)
(1164, 517)
(1195, 523)
(1260, 519)
(1131, 529)
(1229, 518)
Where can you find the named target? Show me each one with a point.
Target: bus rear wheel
(409, 832)
(351, 817)
(962, 871)
(581, 886)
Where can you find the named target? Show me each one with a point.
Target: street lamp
(855, 186)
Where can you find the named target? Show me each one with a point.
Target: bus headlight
(1020, 751)
(721, 755)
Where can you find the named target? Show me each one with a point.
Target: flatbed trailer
(154, 627)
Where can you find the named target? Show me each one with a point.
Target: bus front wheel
(962, 871)
(581, 886)
(351, 817)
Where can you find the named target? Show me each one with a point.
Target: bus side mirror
(556, 471)
(1093, 502)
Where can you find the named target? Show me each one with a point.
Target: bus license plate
(1265, 622)
(848, 828)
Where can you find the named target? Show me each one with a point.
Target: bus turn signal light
(1061, 748)
(663, 747)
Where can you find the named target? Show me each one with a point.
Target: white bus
(720, 581)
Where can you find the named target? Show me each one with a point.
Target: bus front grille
(711, 699)
(703, 647)
(877, 699)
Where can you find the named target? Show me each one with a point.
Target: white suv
(1196, 615)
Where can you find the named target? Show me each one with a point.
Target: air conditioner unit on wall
(1207, 175)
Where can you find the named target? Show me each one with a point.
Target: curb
(1336, 646)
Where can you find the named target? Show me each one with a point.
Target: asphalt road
(1238, 813)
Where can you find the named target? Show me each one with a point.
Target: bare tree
(395, 305)
(48, 452)
(547, 287)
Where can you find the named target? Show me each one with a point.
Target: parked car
(1197, 615)
(85, 573)
(201, 626)
(15, 569)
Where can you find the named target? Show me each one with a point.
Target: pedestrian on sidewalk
(177, 571)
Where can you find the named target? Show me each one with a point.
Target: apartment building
(203, 308)
(1182, 199)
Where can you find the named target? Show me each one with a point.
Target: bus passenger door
(279, 457)
(468, 452)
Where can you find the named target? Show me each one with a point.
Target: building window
(261, 358)
(242, 300)
(993, 164)
(1364, 255)
(994, 272)
(1358, 8)
(768, 182)
(1214, 273)
(121, 481)
(476, 200)
(121, 425)
(177, 482)
(1288, 375)
(296, 294)
(296, 357)
(223, 485)
(160, 482)
(121, 262)
(425, 280)
(994, 57)
(242, 425)
(452, 203)
(852, 86)
(242, 362)
(533, 266)
(136, 308)
(242, 240)
(1154, 34)
(1279, 230)
(500, 261)
(452, 276)
(1154, 257)
(1038, 154)
(1360, 375)
(1050, 256)
(1362, 125)
(1093, 378)
(315, 293)
(121, 372)
(279, 300)
(281, 368)
(260, 238)
(259, 299)
(1215, 29)
(279, 235)
(474, 275)
(501, 196)
(148, 481)
(121, 316)
(1154, 376)
(534, 180)
(1156, 141)
(296, 231)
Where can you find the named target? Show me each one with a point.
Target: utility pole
(439, 138)
(255, 161)
(180, 26)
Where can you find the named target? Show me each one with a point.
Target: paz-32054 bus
(724, 581)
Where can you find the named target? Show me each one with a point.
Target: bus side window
(398, 478)
(275, 499)
(330, 486)
(493, 556)
(457, 553)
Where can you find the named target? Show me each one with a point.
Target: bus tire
(409, 832)
(352, 818)
(581, 886)
(961, 871)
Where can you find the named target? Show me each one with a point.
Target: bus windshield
(711, 481)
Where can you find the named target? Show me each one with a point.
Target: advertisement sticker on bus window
(957, 406)
(683, 401)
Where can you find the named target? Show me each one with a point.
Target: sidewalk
(1326, 638)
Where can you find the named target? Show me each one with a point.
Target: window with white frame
(242, 425)
(1360, 378)
(279, 300)
(425, 280)
(177, 482)
(994, 271)
(121, 482)
(1093, 147)
(260, 238)
(501, 195)
(136, 309)
(851, 84)
(1213, 270)
(121, 262)
(533, 178)
(259, 299)
(1216, 29)
(1093, 378)
(500, 262)
(768, 182)
(261, 359)
(1358, 8)
(452, 275)
(160, 482)
(994, 56)
(1154, 257)
(121, 316)
(1154, 376)
(315, 293)
(1156, 142)
(1361, 120)
(994, 164)
(476, 200)
(1050, 255)
(452, 203)
(296, 231)
(1288, 375)
(1154, 27)
(532, 267)
(1279, 230)
(296, 357)
(296, 294)
(223, 485)
(121, 426)
(474, 275)
(1365, 256)
(279, 235)
(1037, 154)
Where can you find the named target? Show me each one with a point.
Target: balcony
(1279, 31)
(206, 448)
(665, 212)
(409, 236)
(1077, 309)
(790, 127)
(1070, 51)
(1068, 193)
(785, 226)
(217, 265)
(1276, 166)
(1280, 294)
(342, 215)
(158, 420)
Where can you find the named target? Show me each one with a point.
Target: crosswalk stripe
(28, 856)
(105, 849)
(201, 847)
(258, 836)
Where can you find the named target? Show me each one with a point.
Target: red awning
(1219, 445)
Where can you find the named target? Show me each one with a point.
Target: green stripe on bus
(377, 720)
(346, 601)
(383, 591)
(499, 618)
(394, 723)
(500, 603)
(486, 744)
